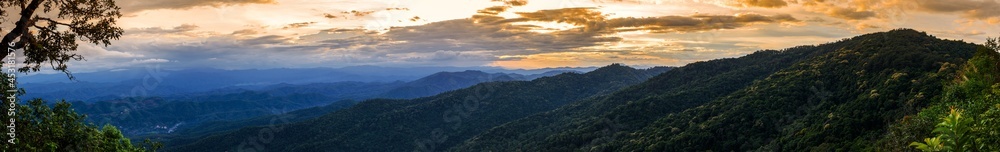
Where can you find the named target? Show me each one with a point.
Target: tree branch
(54, 21)
(21, 26)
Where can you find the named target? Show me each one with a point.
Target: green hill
(842, 95)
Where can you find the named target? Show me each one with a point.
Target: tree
(47, 30)
(991, 42)
(953, 134)
(961, 133)
(59, 128)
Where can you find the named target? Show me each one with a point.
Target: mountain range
(167, 113)
(874, 92)
(155, 81)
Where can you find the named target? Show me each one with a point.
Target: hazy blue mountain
(406, 125)
(447, 81)
(164, 113)
(119, 83)
(427, 86)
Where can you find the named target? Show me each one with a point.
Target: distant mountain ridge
(148, 115)
(106, 85)
(369, 124)
(447, 81)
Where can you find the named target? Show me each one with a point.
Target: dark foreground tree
(59, 128)
(47, 30)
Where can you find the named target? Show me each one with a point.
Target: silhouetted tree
(47, 30)
(991, 42)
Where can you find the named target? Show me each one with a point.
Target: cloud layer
(511, 33)
(132, 6)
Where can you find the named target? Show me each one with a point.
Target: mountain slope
(635, 106)
(828, 96)
(447, 81)
(195, 132)
(431, 122)
(975, 90)
(842, 100)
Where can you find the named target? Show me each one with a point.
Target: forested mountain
(158, 115)
(429, 123)
(198, 131)
(633, 107)
(165, 114)
(969, 105)
(835, 96)
(447, 81)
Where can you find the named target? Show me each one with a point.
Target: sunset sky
(243, 34)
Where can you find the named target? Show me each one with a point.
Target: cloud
(269, 39)
(576, 16)
(466, 34)
(246, 32)
(594, 21)
(848, 13)
(758, 3)
(159, 30)
(973, 9)
(693, 23)
(89, 50)
(361, 14)
(985, 10)
(488, 38)
(145, 61)
(479, 40)
(298, 25)
(132, 6)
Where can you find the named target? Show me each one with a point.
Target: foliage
(874, 80)
(58, 128)
(954, 134)
(39, 126)
(977, 90)
(47, 30)
(992, 44)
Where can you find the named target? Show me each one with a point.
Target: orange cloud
(132, 6)
(758, 3)
(593, 21)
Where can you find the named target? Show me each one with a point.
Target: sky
(260, 34)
